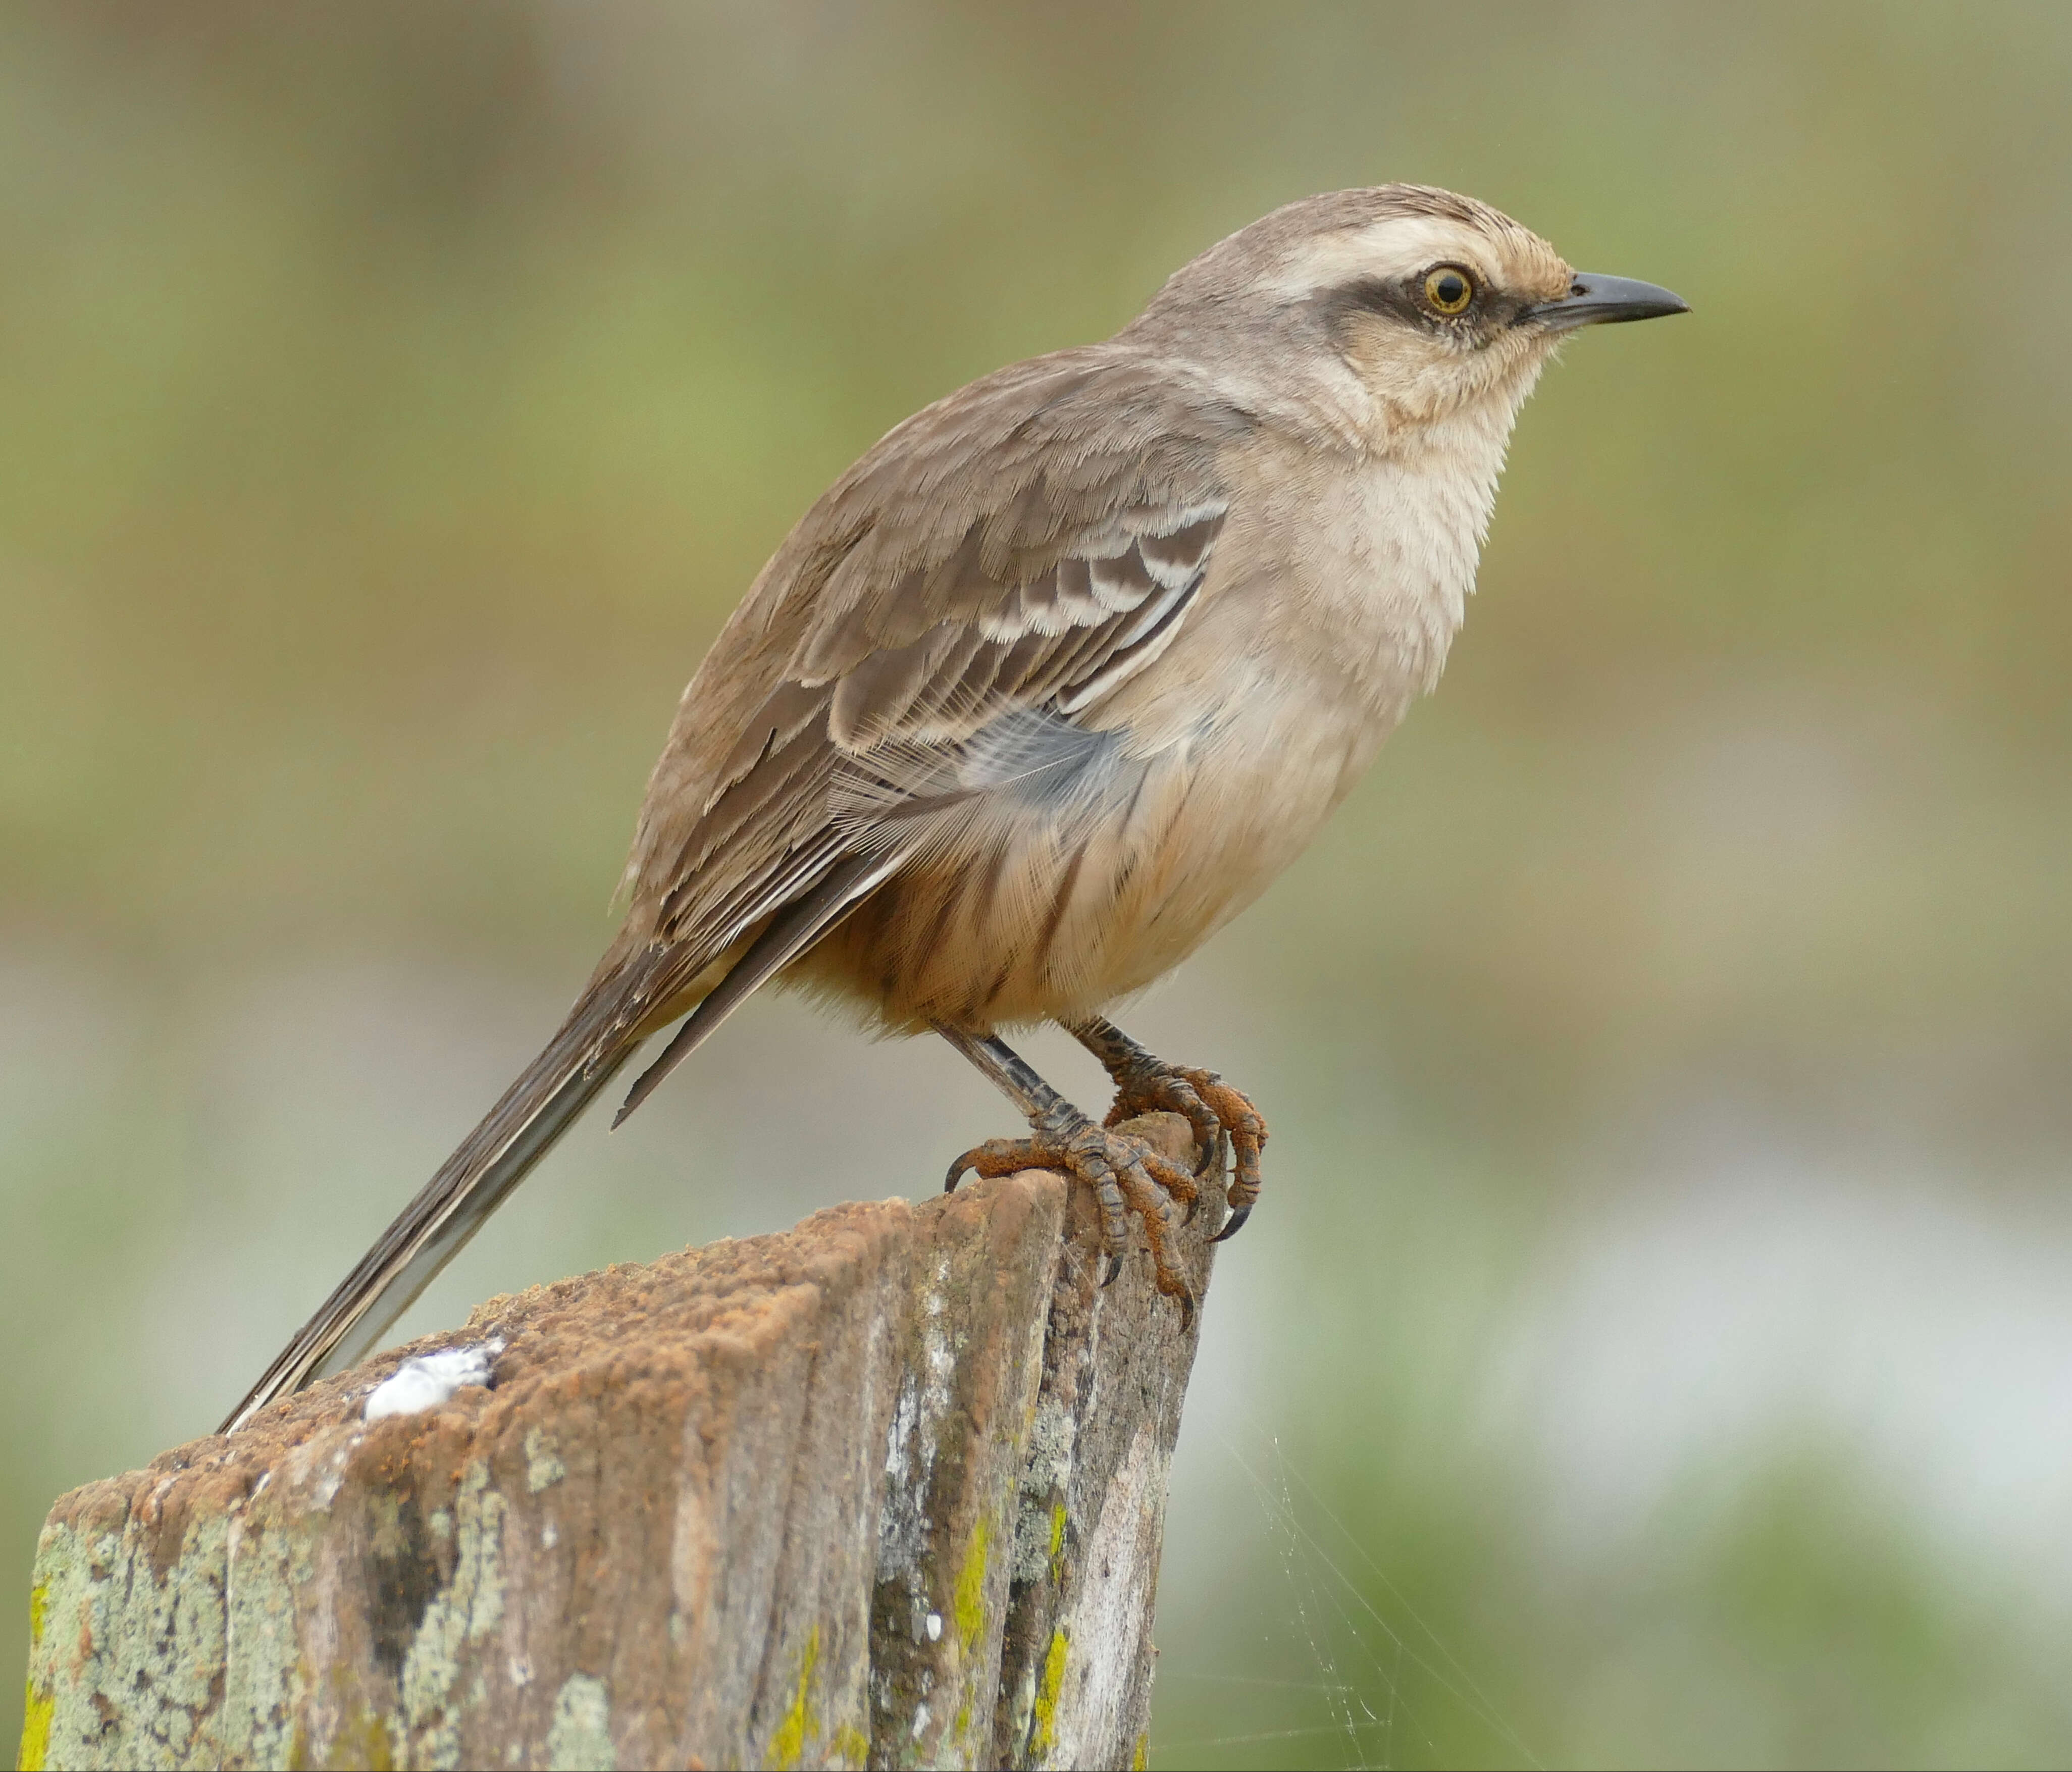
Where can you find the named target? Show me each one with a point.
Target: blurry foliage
(394, 398)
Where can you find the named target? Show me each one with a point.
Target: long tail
(597, 1038)
(601, 1034)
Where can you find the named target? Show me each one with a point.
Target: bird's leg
(1144, 1082)
(1126, 1174)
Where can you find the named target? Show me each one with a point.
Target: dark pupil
(1452, 291)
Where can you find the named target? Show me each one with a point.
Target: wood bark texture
(887, 1488)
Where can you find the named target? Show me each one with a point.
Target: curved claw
(1127, 1178)
(995, 1156)
(1229, 1129)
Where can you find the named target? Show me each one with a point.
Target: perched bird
(1050, 685)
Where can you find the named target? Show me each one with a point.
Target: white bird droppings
(430, 1379)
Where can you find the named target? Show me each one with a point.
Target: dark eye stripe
(1405, 299)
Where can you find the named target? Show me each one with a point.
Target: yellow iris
(1448, 289)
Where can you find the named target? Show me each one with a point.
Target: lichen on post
(886, 1488)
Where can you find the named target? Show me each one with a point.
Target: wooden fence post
(886, 1488)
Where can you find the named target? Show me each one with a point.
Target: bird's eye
(1448, 289)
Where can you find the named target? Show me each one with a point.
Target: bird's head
(1420, 302)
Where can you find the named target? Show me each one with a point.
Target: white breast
(1399, 539)
(1334, 595)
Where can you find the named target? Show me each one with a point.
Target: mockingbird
(1050, 685)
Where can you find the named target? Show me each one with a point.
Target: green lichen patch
(543, 1464)
(787, 1746)
(1043, 1736)
(136, 1682)
(968, 1608)
(35, 1752)
(361, 1743)
(264, 1676)
(465, 1612)
(579, 1738)
(968, 1600)
(37, 1706)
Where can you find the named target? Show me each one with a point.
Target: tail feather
(601, 1032)
(597, 1038)
(788, 935)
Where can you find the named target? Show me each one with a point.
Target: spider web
(1383, 1676)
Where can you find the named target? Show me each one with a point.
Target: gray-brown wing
(937, 630)
(1025, 547)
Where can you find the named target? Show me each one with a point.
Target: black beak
(1598, 301)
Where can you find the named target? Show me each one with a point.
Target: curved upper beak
(1592, 300)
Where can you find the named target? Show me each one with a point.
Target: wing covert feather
(1028, 543)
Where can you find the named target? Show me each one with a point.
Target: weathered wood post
(887, 1488)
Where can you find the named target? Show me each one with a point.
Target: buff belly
(1048, 914)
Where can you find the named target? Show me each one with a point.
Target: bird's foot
(1126, 1174)
(1220, 1115)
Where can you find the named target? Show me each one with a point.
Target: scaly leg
(1126, 1174)
(1144, 1082)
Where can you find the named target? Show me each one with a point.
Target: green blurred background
(1656, 1345)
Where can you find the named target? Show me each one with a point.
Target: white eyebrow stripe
(1391, 248)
